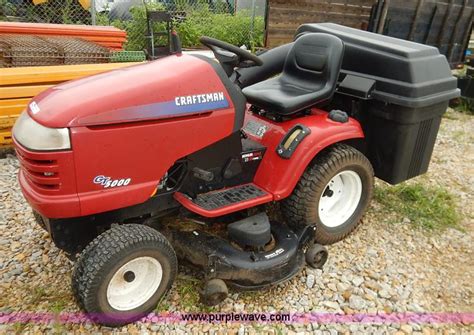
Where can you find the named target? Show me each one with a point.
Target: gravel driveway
(387, 266)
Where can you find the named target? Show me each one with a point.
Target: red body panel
(149, 133)
(279, 176)
(54, 194)
(83, 102)
(141, 152)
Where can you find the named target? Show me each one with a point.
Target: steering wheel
(243, 55)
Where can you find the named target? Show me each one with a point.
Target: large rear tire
(333, 194)
(123, 273)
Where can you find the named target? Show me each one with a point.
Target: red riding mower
(107, 160)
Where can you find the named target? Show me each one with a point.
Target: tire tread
(298, 206)
(103, 249)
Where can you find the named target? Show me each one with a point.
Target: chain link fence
(46, 11)
(240, 22)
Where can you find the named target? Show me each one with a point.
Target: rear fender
(279, 176)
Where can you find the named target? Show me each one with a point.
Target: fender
(279, 176)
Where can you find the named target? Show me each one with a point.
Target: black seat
(309, 76)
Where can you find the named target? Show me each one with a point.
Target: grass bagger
(179, 158)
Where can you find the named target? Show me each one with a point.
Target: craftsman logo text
(199, 99)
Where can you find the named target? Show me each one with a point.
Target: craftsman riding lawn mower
(108, 161)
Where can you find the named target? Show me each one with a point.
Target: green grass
(19, 327)
(58, 306)
(428, 207)
(188, 289)
(163, 305)
(465, 106)
(37, 294)
(451, 114)
(279, 330)
(458, 135)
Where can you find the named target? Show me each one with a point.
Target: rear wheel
(122, 274)
(332, 194)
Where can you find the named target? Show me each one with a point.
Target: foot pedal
(254, 231)
(221, 202)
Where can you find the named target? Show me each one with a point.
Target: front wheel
(215, 291)
(333, 194)
(122, 274)
(316, 256)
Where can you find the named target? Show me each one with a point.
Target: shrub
(232, 28)
(235, 29)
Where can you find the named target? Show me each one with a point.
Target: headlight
(32, 135)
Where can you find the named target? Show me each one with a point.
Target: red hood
(108, 97)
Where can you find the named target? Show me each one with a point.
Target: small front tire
(316, 256)
(123, 273)
(215, 291)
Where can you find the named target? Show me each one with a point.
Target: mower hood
(160, 89)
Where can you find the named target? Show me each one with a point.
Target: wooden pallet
(19, 85)
(43, 75)
(5, 138)
(26, 91)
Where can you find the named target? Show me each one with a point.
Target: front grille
(44, 174)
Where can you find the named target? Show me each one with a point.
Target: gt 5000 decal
(108, 182)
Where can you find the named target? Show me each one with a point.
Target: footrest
(227, 197)
(229, 200)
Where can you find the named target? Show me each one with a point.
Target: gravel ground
(387, 265)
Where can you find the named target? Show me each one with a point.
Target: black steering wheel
(244, 55)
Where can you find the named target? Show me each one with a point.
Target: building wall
(285, 16)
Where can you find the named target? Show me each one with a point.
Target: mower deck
(242, 268)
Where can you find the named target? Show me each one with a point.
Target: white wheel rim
(340, 198)
(134, 283)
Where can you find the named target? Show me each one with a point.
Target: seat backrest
(314, 62)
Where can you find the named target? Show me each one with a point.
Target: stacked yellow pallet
(19, 85)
